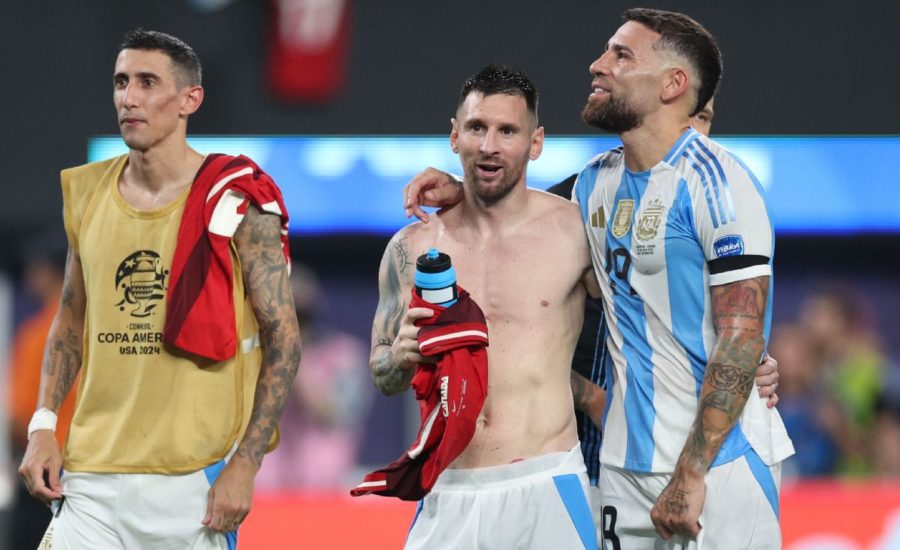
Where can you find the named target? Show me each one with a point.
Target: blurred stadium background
(343, 100)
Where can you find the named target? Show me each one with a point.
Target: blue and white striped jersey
(659, 239)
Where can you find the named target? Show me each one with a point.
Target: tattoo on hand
(678, 503)
(388, 377)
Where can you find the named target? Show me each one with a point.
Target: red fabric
(450, 394)
(200, 316)
(308, 49)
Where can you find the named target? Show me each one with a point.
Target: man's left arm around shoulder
(258, 242)
(739, 317)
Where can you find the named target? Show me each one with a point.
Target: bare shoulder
(547, 205)
(416, 236)
(404, 247)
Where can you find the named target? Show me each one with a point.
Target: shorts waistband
(541, 466)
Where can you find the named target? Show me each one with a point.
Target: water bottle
(436, 278)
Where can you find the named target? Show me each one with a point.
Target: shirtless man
(521, 481)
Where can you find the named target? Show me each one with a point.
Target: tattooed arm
(62, 362)
(739, 318)
(258, 242)
(589, 397)
(395, 350)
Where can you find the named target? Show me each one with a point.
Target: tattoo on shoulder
(401, 250)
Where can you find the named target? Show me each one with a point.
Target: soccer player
(520, 481)
(177, 312)
(590, 360)
(682, 243)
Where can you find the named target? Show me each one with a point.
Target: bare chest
(518, 283)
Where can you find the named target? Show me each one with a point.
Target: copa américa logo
(729, 245)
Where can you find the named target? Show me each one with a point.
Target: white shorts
(537, 503)
(130, 511)
(596, 508)
(740, 510)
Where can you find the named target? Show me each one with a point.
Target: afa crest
(651, 217)
(622, 217)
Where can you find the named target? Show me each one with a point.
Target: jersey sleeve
(733, 221)
(584, 183)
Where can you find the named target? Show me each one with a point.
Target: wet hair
(500, 79)
(689, 39)
(185, 62)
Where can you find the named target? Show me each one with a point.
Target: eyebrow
(137, 75)
(619, 48)
(473, 121)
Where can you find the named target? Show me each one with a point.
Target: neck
(167, 165)
(648, 144)
(487, 217)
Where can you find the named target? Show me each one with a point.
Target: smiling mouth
(489, 169)
(598, 91)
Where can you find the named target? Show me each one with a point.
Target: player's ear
(192, 99)
(537, 143)
(675, 84)
(454, 135)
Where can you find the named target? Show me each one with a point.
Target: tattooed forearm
(731, 379)
(266, 280)
(739, 314)
(394, 281)
(62, 360)
(63, 351)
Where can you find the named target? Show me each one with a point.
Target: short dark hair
(184, 59)
(688, 38)
(500, 79)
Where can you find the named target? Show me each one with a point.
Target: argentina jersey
(659, 239)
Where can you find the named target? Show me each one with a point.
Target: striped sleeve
(731, 215)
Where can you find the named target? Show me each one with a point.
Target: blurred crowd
(839, 391)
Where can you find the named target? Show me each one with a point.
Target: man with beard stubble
(682, 242)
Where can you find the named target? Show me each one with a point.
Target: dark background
(802, 67)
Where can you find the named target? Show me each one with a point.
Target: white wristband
(43, 419)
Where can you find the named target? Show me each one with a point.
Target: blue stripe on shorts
(415, 517)
(212, 474)
(763, 475)
(572, 494)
